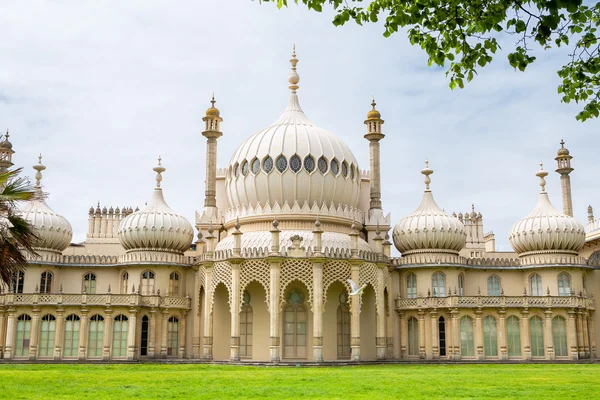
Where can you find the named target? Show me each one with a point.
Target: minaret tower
(6, 153)
(374, 135)
(563, 160)
(211, 133)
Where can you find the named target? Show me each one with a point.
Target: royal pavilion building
(262, 273)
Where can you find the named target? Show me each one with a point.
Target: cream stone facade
(265, 275)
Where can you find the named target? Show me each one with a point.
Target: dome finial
(294, 78)
(427, 171)
(542, 174)
(39, 167)
(159, 169)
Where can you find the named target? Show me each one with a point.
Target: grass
(199, 381)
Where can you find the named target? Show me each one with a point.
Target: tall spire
(294, 78)
(374, 135)
(563, 160)
(159, 169)
(211, 132)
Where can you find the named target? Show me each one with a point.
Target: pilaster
(422, 345)
(502, 334)
(83, 334)
(108, 330)
(35, 334)
(152, 333)
(10, 334)
(235, 312)
(182, 334)
(435, 336)
(317, 311)
(572, 334)
(355, 316)
(164, 330)
(208, 327)
(131, 334)
(525, 337)
(59, 333)
(479, 354)
(548, 339)
(274, 309)
(403, 335)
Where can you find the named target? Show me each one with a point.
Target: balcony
(572, 301)
(103, 300)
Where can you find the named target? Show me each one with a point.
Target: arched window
(461, 284)
(559, 334)
(352, 171)
(23, 335)
(119, 345)
(493, 285)
(564, 284)
(255, 166)
(343, 328)
(413, 337)
(535, 285)
(173, 337)
(281, 163)
(438, 284)
(16, 285)
(294, 326)
(245, 168)
(246, 325)
(513, 336)
(89, 283)
(144, 337)
(295, 163)
(536, 333)
(71, 344)
(174, 284)
(147, 283)
(467, 340)
(46, 282)
(124, 282)
(47, 327)
(236, 170)
(442, 336)
(345, 169)
(335, 167)
(309, 163)
(411, 286)
(490, 337)
(267, 164)
(322, 164)
(95, 336)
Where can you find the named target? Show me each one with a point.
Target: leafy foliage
(463, 34)
(17, 237)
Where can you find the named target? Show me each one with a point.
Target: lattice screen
(335, 271)
(292, 270)
(221, 274)
(255, 270)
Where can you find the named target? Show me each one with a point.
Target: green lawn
(164, 381)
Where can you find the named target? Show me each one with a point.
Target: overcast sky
(101, 88)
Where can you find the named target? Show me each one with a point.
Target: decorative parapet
(592, 230)
(254, 253)
(429, 259)
(106, 260)
(496, 302)
(532, 261)
(103, 300)
(152, 257)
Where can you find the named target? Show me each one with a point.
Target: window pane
(513, 332)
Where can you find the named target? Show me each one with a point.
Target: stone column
(211, 133)
(565, 185)
(592, 338)
(182, 335)
(59, 333)
(526, 339)
(164, 331)
(502, 334)
(456, 354)
(435, 335)
(274, 294)
(479, 354)
(572, 335)
(35, 334)
(403, 336)
(208, 328)
(235, 312)
(380, 342)
(580, 345)
(83, 334)
(586, 336)
(196, 317)
(355, 316)
(422, 348)
(548, 339)
(2, 332)
(10, 334)
(394, 317)
(107, 339)
(374, 135)
(131, 334)
(152, 333)
(318, 311)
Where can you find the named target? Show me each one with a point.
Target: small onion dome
(563, 151)
(213, 111)
(545, 229)
(429, 229)
(53, 230)
(156, 227)
(373, 114)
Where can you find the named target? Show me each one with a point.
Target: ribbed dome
(429, 229)
(293, 161)
(53, 230)
(546, 230)
(156, 227)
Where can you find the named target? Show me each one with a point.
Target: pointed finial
(294, 78)
(590, 214)
(7, 135)
(427, 171)
(39, 167)
(159, 169)
(213, 101)
(542, 174)
(237, 224)
(373, 104)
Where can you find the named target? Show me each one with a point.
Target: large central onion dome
(546, 230)
(293, 161)
(156, 227)
(53, 230)
(429, 229)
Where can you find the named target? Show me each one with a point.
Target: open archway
(221, 324)
(368, 325)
